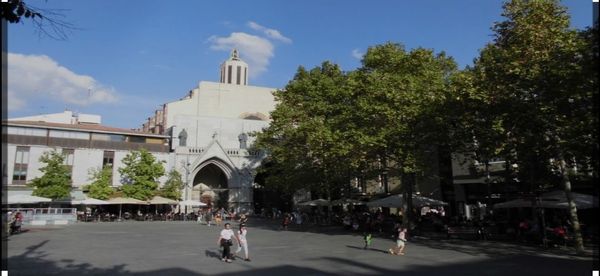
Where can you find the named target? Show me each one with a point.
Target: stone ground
(187, 248)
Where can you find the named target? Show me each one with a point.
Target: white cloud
(271, 33)
(39, 77)
(357, 54)
(256, 51)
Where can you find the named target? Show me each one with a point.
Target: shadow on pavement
(369, 249)
(509, 262)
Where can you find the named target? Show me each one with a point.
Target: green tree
(173, 186)
(101, 186)
(140, 174)
(401, 101)
(538, 92)
(55, 183)
(309, 140)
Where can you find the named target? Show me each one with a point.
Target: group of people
(399, 238)
(226, 238)
(208, 215)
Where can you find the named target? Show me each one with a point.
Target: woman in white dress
(242, 241)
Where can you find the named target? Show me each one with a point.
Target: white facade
(210, 134)
(67, 117)
(84, 161)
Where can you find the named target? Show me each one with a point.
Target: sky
(124, 59)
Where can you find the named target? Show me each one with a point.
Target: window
(69, 157)
(21, 161)
(245, 75)
(137, 139)
(229, 74)
(109, 159)
(239, 75)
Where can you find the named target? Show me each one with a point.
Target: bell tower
(234, 70)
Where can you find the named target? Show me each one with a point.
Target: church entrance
(210, 187)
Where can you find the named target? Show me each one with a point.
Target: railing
(230, 151)
(46, 216)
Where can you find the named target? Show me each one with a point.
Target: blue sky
(128, 57)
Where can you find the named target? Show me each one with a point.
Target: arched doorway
(210, 186)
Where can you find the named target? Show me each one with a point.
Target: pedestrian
(242, 242)
(226, 242)
(285, 221)
(400, 236)
(218, 218)
(208, 217)
(243, 219)
(368, 238)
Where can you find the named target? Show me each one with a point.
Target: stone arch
(254, 116)
(211, 182)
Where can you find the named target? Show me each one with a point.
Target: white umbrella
(162, 200)
(125, 200)
(90, 201)
(347, 201)
(316, 202)
(26, 199)
(552, 200)
(398, 201)
(192, 203)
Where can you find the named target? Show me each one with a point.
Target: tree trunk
(566, 182)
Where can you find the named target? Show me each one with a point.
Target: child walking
(368, 238)
(400, 242)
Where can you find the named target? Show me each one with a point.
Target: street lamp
(186, 167)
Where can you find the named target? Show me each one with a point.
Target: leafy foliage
(173, 186)
(55, 183)
(101, 186)
(140, 174)
(537, 96)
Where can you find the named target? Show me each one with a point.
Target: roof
(83, 127)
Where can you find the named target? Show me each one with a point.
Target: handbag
(226, 242)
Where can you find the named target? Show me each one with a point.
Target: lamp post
(187, 185)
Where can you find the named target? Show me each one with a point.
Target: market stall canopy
(397, 201)
(347, 201)
(316, 202)
(125, 200)
(552, 200)
(192, 203)
(89, 201)
(25, 199)
(162, 200)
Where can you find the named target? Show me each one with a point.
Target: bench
(464, 232)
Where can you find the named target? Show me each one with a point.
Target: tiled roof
(84, 127)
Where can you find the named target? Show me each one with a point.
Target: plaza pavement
(187, 248)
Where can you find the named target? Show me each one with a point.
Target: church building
(210, 130)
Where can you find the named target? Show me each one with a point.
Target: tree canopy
(101, 186)
(140, 174)
(173, 186)
(55, 183)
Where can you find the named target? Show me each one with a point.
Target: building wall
(213, 99)
(84, 160)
